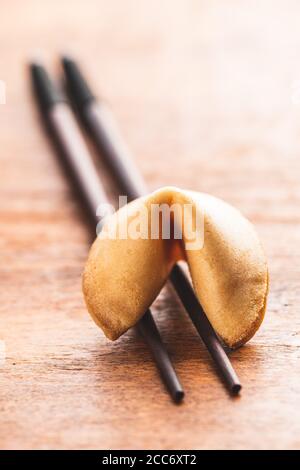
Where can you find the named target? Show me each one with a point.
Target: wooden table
(207, 95)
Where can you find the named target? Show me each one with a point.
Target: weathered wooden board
(206, 95)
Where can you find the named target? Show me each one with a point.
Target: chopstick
(99, 123)
(75, 156)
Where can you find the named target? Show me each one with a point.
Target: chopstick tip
(236, 388)
(178, 396)
(67, 59)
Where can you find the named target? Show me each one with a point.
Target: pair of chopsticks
(99, 124)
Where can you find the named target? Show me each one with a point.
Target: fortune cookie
(127, 266)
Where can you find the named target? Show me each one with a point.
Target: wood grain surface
(206, 94)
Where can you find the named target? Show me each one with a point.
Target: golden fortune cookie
(125, 273)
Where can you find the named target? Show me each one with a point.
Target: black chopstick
(72, 149)
(99, 123)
